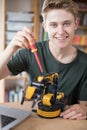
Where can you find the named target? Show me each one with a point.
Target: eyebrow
(67, 21)
(62, 21)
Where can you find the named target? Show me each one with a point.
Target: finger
(66, 112)
(77, 116)
(23, 41)
(19, 44)
(70, 109)
(82, 118)
(30, 39)
(27, 36)
(69, 115)
(20, 41)
(27, 29)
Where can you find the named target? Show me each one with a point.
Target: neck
(64, 55)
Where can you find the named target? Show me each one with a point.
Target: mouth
(62, 38)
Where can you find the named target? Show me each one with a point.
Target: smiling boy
(60, 20)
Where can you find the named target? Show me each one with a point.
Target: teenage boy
(60, 20)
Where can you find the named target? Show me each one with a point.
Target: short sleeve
(18, 62)
(83, 88)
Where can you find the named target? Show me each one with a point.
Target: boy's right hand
(23, 39)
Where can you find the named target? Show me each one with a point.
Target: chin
(61, 46)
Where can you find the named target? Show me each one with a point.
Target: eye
(54, 25)
(67, 24)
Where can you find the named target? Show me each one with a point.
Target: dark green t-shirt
(72, 76)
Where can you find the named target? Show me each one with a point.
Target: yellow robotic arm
(51, 104)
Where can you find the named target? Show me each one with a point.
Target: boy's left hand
(77, 111)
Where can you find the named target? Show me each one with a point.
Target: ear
(44, 26)
(77, 21)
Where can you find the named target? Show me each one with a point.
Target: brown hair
(68, 5)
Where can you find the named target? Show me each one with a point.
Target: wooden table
(34, 122)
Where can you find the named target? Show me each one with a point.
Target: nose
(61, 30)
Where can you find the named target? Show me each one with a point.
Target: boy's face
(60, 25)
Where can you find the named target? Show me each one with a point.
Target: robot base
(48, 111)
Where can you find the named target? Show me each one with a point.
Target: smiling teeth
(61, 38)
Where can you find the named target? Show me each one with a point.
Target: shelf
(81, 33)
(83, 27)
(83, 10)
(15, 6)
(12, 83)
